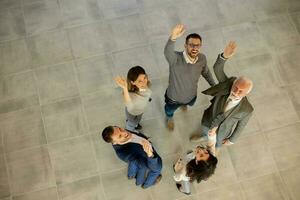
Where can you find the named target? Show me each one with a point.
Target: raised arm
(123, 84)
(169, 52)
(229, 51)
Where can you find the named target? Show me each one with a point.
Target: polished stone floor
(57, 63)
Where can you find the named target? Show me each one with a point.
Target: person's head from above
(203, 166)
(240, 88)
(115, 135)
(137, 79)
(192, 45)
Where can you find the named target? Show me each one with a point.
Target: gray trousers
(132, 121)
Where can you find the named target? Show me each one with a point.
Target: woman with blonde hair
(137, 95)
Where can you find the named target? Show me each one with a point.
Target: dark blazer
(233, 121)
(132, 151)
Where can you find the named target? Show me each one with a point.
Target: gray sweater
(183, 78)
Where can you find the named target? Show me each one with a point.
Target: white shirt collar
(188, 59)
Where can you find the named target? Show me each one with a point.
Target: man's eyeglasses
(194, 46)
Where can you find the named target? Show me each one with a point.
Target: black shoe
(138, 127)
(178, 187)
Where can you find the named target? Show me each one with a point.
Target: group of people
(222, 122)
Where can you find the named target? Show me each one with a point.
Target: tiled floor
(57, 63)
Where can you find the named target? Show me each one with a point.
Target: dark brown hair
(132, 75)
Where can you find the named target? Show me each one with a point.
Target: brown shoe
(197, 138)
(184, 108)
(170, 124)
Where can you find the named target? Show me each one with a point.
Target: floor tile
(127, 32)
(64, 119)
(47, 194)
(294, 94)
(99, 114)
(289, 58)
(123, 187)
(274, 111)
(292, 180)
(280, 141)
(248, 38)
(15, 57)
(90, 188)
(12, 24)
(282, 29)
(15, 96)
(73, 159)
(296, 19)
(49, 48)
(80, 12)
(190, 14)
(230, 192)
(265, 187)
(251, 157)
(118, 8)
(30, 170)
(95, 74)
(41, 15)
(141, 56)
(22, 129)
(56, 82)
(91, 39)
(268, 8)
(4, 186)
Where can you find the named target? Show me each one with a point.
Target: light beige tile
(49, 48)
(64, 119)
(251, 157)
(91, 39)
(56, 82)
(80, 12)
(230, 192)
(127, 190)
(41, 15)
(12, 24)
(22, 129)
(47, 194)
(294, 94)
(118, 8)
(129, 27)
(292, 180)
(284, 143)
(274, 111)
(282, 29)
(141, 56)
(90, 188)
(14, 56)
(4, 186)
(95, 74)
(30, 170)
(263, 71)
(289, 58)
(265, 187)
(101, 114)
(15, 96)
(73, 159)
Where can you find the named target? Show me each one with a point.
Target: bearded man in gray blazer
(230, 109)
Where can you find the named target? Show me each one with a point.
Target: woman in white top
(137, 95)
(197, 165)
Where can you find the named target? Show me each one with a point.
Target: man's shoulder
(247, 106)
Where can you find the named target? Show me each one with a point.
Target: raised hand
(230, 49)
(177, 31)
(147, 147)
(121, 82)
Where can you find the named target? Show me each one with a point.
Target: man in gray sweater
(185, 70)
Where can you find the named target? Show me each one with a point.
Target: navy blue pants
(171, 106)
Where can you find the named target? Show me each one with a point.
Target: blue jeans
(139, 168)
(171, 105)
